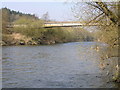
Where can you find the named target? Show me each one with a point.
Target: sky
(59, 11)
(58, 0)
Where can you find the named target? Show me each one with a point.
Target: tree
(103, 7)
(5, 20)
(114, 18)
(45, 16)
(97, 12)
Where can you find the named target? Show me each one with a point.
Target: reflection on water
(53, 66)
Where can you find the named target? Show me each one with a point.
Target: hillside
(11, 16)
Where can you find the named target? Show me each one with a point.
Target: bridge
(69, 24)
(61, 24)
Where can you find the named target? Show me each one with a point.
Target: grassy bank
(31, 36)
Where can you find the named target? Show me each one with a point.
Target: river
(68, 65)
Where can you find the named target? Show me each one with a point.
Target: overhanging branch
(96, 17)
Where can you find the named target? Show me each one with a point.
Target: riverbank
(109, 58)
(15, 39)
(29, 36)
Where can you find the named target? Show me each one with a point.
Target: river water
(68, 65)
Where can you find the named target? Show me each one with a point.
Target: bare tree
(103, 7)
(45, 16)
(100, 12)
(114, 18)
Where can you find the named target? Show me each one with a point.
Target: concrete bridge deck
(63, 24)
(69, 24)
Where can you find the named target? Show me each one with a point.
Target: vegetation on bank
(30, 31)
(106, 14)
(109, 14)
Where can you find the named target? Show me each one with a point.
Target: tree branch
(107, 12)
(94, 6)
(95, 18)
